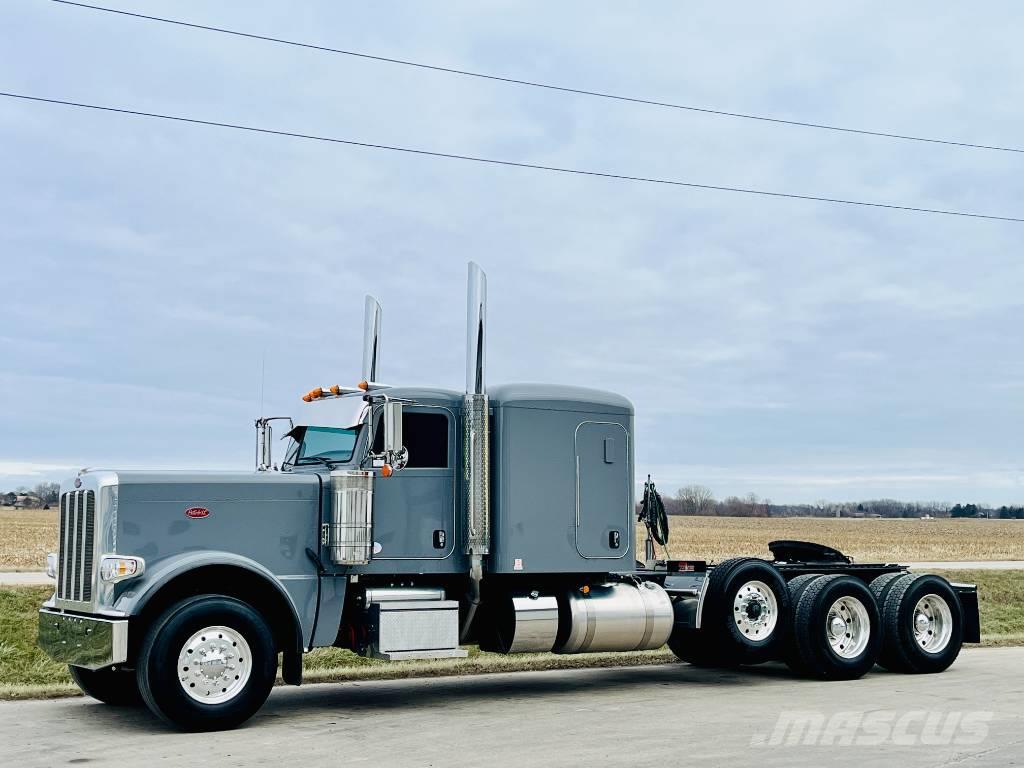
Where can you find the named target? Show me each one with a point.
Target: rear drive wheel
(923, 623)
(114, 686)
(881, 586)
(836, 629)
(745, 615)
(796, 587)
(208, 663)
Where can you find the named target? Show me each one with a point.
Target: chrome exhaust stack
(476, 439)
(476, 434)
(371, 340)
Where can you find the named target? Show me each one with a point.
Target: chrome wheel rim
(932, 621)
(848, 626)
(755, 610)
(214, 665)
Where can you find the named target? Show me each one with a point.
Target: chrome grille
(77, 537)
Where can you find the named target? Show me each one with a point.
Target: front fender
(140, 591)
(234, 574)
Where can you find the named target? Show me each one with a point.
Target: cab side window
(424, 434)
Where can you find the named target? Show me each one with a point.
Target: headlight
(51, 565)
(115, 568)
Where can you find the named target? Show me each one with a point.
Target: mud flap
(968, 594)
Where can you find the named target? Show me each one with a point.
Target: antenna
(263, 377)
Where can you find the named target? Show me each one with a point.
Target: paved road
(27, 579)
(673, 714)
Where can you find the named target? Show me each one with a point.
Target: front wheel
(113, 685)
(207, 664)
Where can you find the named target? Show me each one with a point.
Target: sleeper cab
(562, 475)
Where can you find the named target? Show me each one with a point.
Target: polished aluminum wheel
(756, 610)
(214, 665)
(933, 623)
(848, 625)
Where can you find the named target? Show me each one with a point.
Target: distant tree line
(700, 500)
(39, 497)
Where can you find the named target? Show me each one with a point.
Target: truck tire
(836, 629)
(746, 611)
(798, 584)
(207, 663)
(796, 587)
(923, 625)
(881, 585)
(113, 685)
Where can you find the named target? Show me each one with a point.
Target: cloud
(149, 268)
(30, 469)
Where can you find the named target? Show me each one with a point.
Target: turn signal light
(335, 390)
(585, 589)
(386, 471)
(115, 568)
(363, 385)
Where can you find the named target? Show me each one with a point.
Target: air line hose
(652, 513)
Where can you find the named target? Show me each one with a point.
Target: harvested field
(715, 538)
(26, 535)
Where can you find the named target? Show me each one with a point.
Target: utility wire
(546, 86)
(507, 163)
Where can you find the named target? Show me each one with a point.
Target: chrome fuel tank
(615, 617)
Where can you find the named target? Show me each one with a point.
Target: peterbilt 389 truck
(499, 516)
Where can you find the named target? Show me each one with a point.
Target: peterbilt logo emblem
(78, 482)
(195, 512)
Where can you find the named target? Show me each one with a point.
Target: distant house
(27, 501)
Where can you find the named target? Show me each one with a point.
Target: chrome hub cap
(848, 626)
(214, 665)
(756, 610)
(933, 623)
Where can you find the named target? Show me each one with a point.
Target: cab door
(414, 509)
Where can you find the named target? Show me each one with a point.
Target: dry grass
(26, 535)
(715, 538)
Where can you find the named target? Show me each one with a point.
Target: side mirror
(392, 426)
(395, 453)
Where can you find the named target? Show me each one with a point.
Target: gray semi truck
(500, 516)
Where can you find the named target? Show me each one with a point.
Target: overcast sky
(798, 350)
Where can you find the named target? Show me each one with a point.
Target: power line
(507, 163)
(546, 86)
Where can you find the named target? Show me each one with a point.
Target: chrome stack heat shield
(476, 435)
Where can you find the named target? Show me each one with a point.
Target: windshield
(322, 445)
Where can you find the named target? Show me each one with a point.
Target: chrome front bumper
(83, 641)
